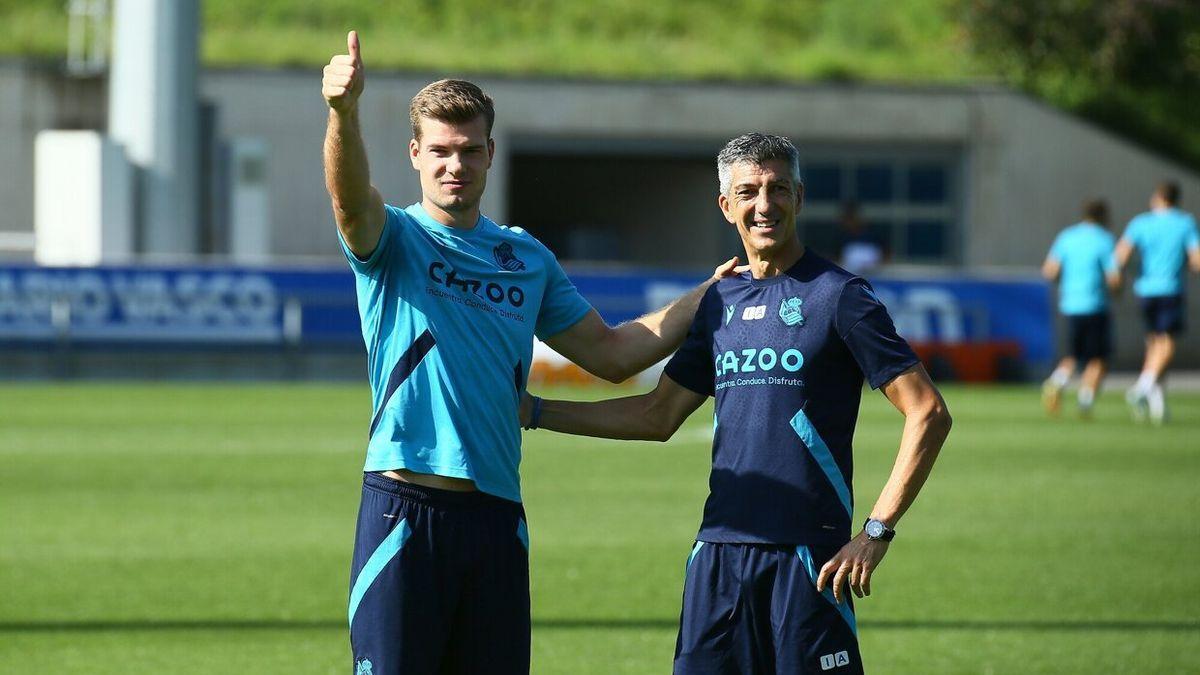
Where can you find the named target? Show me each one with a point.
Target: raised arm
(357, 205)
(653, 416)
(926, 424)
(616, 354)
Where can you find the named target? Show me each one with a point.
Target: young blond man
(450, 302)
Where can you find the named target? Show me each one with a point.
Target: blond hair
(452, 102)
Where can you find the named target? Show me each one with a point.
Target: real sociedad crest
(789, 311)
(506, 259)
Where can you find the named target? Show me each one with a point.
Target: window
(926, 240)
(926, 184)
(823, 182)
(907, 201)
(873, 183)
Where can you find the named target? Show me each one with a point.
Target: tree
(1130, 65)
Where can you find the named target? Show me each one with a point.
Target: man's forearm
(347, 174)
(648, 339)
(629, 418)
(924, 434)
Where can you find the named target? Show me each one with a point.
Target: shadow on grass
(134, 625)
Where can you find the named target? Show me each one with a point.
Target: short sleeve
(692, 365)
(391, 230)
(866, 328)
(1193, 237)
(562, 305)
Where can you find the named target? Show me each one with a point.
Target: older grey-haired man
(784, 349)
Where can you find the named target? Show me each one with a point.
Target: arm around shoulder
(618, 353)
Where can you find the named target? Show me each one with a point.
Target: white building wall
(1031, 167)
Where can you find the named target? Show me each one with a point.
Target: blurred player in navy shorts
(1166, 240)
(1081, 261)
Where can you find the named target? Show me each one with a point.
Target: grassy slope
(207, 529)
(610, 38)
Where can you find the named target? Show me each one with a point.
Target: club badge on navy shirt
(789, 311)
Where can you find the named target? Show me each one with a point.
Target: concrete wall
(1027, 166)
(1032, 166)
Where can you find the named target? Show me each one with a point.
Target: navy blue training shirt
(785, 358)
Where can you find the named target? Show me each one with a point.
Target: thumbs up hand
(344, 78)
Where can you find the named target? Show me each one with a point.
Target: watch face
(874, 529)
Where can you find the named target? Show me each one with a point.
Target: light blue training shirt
(1162, 238)
(1085, 252)
(448, 317)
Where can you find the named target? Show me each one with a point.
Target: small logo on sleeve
(831, 661)
(506, 259)
(363, 667)
(789, 311)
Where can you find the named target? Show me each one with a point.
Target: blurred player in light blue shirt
(1166, 240)
(1081, 261)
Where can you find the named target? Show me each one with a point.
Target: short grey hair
(755, 148)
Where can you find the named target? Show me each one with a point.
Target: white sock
(1060, 377)
(1156, 400)
(1145, 383)
(1086, 397)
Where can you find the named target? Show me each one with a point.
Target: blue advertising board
(315, 307)
(954, 308)
(178, 305)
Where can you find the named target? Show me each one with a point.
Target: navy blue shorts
(1090, 336)
(1163, 314)
(754, 608)
(439, 582)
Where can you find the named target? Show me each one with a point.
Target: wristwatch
(877, 531)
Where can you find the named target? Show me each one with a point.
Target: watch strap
(888, 533)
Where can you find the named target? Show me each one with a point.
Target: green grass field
(168, 528)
